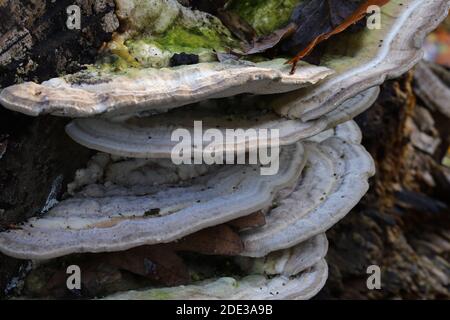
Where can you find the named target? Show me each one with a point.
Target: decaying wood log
(403, 223)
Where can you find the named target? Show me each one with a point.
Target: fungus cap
(96, 92)
(293, 280)
(151, 137)
(367, 59)
(334, 180)
(128, 210)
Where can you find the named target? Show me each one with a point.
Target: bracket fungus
(131, 138)
(333, 182)
(131, 101)
(109, 213)
(96, 92)
(359, 61)
(114, 216)
(144, 87)
(367, 59)
(296, 273)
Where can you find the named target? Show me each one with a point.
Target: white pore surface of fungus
(150, 137)
(114, 217)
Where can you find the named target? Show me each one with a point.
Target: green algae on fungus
(180, 39)
(159, 29)
(265, 16)
(157, 51)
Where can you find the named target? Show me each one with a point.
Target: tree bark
(36, 44)
(36, 157)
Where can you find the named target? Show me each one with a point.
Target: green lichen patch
(156, 51)
(193, 40)
(157, 30)
(265, 16)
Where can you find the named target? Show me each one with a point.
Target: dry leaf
(264, 43)
(220, 240)
(255, 220)
(340, 18)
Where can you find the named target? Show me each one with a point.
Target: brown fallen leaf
(264, 43)
(254, 220)
(97, 280)
(348, 21)
(158, 263)
(220, 240)
(102, 273)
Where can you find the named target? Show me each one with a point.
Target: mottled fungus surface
(333, 182)
(130, 209)
(150, 137)
(281, 275)
(98, 92)
(367, 58)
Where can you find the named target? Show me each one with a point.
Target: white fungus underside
(333, 181)
(150, 137)
(289, 261)
(115, 219)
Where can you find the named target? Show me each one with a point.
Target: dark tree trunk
(36, 44)
(36, 156)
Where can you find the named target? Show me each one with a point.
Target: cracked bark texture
(35, 153)
(35, 43)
